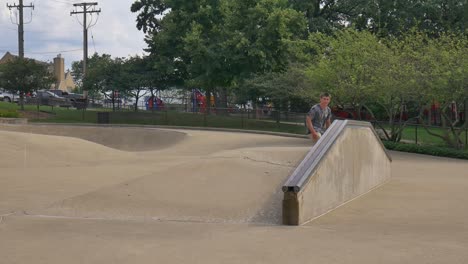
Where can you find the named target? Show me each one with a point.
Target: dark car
(45, 97)
(76, 100)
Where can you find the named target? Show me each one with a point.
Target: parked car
(45, 97)
(77, 100)
(6, 96)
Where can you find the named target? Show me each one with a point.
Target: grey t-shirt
(319, 117)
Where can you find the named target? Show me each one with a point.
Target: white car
(6, 96)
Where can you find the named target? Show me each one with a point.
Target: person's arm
(328, 123)
(311, 127)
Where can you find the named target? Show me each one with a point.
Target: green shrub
(429, 150)
(9, 113)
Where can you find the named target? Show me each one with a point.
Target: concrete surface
(4, 120)
(355, 164)
(212, 197)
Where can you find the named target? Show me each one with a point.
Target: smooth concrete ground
(211, 197)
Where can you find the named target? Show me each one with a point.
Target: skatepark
(84, 194)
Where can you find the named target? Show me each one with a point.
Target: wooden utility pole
(86, 9)
(20, 26)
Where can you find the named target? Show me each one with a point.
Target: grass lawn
(419, 134)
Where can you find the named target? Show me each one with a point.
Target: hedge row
(429, 150)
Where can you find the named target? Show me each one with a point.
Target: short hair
(324, 95)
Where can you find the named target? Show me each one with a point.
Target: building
(64, 80)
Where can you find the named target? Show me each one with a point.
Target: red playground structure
(154, 103)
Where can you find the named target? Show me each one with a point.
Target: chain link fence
(255, 119)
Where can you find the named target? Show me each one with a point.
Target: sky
(52, 31)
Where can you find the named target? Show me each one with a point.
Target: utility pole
(86, 9)
(20, 26)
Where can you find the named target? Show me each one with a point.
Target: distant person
(319, 117)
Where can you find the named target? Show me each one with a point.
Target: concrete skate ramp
(347, 162)
(209, 177)
(122, 138)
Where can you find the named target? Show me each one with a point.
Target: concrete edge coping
(282, 134)
(7, 120)
(313, 158)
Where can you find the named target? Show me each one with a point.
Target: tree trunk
(221, 104)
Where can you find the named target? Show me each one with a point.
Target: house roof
(9, 57)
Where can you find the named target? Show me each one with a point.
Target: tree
(327, 16)
(25, 76)
(104, 75)
(215, 43)
(361, 71)
(284, 89)
(441, 69)
(133, 78)
(392, 18)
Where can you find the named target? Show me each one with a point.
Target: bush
(9, 113)
(428, 150)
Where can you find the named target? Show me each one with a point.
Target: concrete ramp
(348, 161)
(121, 138)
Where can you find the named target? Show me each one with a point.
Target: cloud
(52, 30)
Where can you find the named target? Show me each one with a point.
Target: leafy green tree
(284, 89)
(346, 65)
(25, 76)
(360, 70)
(133, 78)
(104, 75)
(215, 43)
(441, 71)
(327, 16)
(392, 18)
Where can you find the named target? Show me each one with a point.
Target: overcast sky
(52, 30)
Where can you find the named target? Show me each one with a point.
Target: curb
(19, 121)
(282, 134)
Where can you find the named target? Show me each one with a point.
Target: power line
(53, 52)
(4, 49)
(92, 38)
(68, 3)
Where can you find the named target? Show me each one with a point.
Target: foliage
(215, 44)
(359, 69)
(448, 58)
(284, 89)
(25, 76)
(9, 113)
(327, 16)
(104, 75)
(392, 18)
(134, 78)
(428, 150)
(347, 65)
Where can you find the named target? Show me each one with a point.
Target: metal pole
(20, 8)
(21, 31)
(242, 118)
(416, 134)
(204, 117)
(85, 48)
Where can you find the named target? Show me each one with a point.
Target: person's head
(325, 99)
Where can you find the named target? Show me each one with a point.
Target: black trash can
(103, 117)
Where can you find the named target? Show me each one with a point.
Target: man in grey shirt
(319, 117)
